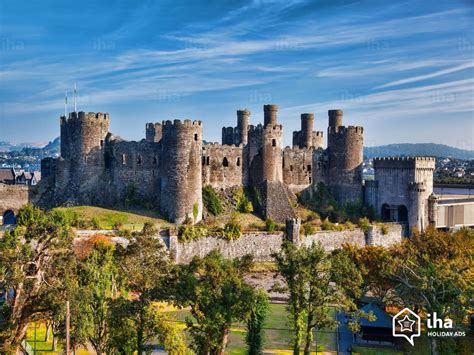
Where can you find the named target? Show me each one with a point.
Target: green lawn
(107, 218)
(363, 350)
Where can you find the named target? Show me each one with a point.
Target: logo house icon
(406, 324)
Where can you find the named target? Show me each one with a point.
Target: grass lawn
(277, 334)
(107, 218)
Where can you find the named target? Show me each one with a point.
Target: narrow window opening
(207, 161)
(101, 142)
(195, 136)
(139, 159)
(309, 168)
(225, 162)
(238, 161)
(274, 143)
(124, 159)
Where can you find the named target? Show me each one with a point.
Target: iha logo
(406, 324)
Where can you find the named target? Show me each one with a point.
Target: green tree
(315, 281)
(214, 289)
(255, 334)
(433, 272)
(97, 277)
(36, 260)
(143, 264)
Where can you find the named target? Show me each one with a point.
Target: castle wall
(153, 132)
(181, 185)
(297, 167)
(261, 244)
(13, 197)
(222, 165)
(272, 155)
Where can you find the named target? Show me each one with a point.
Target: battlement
(318, 133)
(342, 130)
(83, 116)
(270, 107)
(181, 123)
(307, 116)
(225, 148)
(417, 186)
(255, 129)
(243, 112)
(404, 163)
(153, 125)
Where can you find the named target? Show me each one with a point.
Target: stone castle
(171, 165)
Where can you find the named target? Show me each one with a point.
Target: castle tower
(153, 132)
(307, 123)
(243, 118)
(345, 158)
(181, 182)
(272, 155)
(270, 115)
(83, 134)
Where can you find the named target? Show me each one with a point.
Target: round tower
(345, 158)
(272, 154)
(181, 182)
(243, 118)
(82, 134)
(270, 115)
(307, 123)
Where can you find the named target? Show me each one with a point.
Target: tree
(143, 265)
(214, 289)
(36, 260)
(98, 286)
(433, 272)
(255, 321)
(315, 281)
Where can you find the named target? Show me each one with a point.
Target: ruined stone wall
(181, 183)
(261, 245)
(134, 167)
(254, 154)
(13, 197)
(297, 167)
(222, 165)
(320, 167)
(272, 155)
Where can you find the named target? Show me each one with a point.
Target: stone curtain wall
(261, 245)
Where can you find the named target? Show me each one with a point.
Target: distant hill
(418, 149)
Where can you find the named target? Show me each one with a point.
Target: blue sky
(402, 69)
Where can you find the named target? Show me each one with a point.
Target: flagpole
(75, 98)
(65, 104)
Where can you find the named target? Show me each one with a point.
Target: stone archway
(9, 217)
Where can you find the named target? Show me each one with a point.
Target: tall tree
(255, 322)
(35, 260)
(315, 281)
(143, 264)
(214, 289)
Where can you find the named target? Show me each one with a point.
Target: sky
(402, 69)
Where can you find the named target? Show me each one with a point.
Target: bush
(349, 225)
(117, 226)
(270, 225)
(326, 225)
(211, 201)
(364, 224)
(232, 230)
(95, 224)
(307, 229)
(149, 229)
(187, 233)
(243, 204)
(384, 229)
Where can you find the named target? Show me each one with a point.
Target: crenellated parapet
(404, 163)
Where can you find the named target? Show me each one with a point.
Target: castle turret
(272, 154)
(306, 137)
(181, 186)
(82, 133)
(270, 115)
(243, 118)
(345, 158)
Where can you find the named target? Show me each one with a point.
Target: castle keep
(168, 168)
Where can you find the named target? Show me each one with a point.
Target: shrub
(211, 201)
(312, 216)
(326, 225)
(149, 229)
(95, 224)
(232, 230)
(364, 224)
(243, 204)
(187, 233)
(307, 229)
(384, 229)
(270, 225)
(349, 225)
(117, 226)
